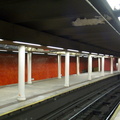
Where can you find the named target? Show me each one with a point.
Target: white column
(67, 63)
(59, 66)
(21, 73)
(103, 62)
(119, 64)
(29, 62)
(111, 67)
(78, 65)
(89, 67)
(98, 64)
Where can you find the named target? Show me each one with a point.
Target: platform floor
(116, 115)
(42, 90)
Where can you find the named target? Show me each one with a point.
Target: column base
(59, 77)
(89, 78)
(29, 82)
(66, 85)
(21, 98)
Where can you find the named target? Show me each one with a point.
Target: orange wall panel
(73, 68)
(8, 68)
(83, 65)
(43, 67)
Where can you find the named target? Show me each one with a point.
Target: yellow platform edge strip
(53, 96)
(115, 113)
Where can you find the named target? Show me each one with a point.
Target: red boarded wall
(43, 67)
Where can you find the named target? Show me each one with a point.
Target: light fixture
(101, 54)
(85, 56)
(38, 53)
(59, 48)
(72, 50)
(3, 50)
(114, 4)
(107, 55)
(81, 56)
(72, 55)
(25, 43)
(18, 51)
(51, 54)
(15, 51)
(119, 18)
(1, 40)
(85, 52)
(111, 55)
(94, 53)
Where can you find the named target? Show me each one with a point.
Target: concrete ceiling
(50, 22)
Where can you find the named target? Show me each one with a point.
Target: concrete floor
(116, 115)
(43, 89)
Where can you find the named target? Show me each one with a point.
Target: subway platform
(43, 89)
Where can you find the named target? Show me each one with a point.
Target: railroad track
(95, 101)
(98, 105)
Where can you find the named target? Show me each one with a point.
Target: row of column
(21, 69)
(102, 66)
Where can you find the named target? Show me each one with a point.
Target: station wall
(43, 67)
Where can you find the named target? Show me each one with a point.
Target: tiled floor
(43, 89)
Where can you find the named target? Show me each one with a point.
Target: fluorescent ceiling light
(85, 52)
(101, 54)
(1, 40)
(24, 43)
(72, 55)
(38, 53)
(51, 54)
(72, 50)
(15, 51)
(3, 50)
(85, 56)
(114, 4)
(94, 53)
(55, 47)
(119, 18)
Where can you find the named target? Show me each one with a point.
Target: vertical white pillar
(89, 67)
(119, 64)
(59, 66)
(21, 73)
(78, 65)
(111, 67)
(67, 63)
(98, 64)
(103, 63)
(29, 62)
